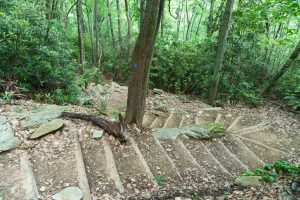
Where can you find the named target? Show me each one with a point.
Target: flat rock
(47, 128)
(69, 193)
(248, 180)
(97, 134)
(158, 91)
(7, 139)
(34, 118)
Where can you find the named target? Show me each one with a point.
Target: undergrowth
(270, 172)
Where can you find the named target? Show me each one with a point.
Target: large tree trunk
(111, 25)
(282, 69)
(128, 28)
(141, 61)
(210, 18)
(119, 26)
(178, 12)
(90, 29)
(142, 11)
(80, 31)
(98, 50)
(223, 33)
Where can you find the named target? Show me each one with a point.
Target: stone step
(233, 165)
(134, 175)
(187, 120)
(205, 117)
(12, 178)
(157, 159)
(82, 176)
(148, 119)
(99, 174)
(274, 139)
(158, 122)
(208, 161)
(55, 163)
(267, 153)
(237, 147)
(244, 123)
(173, 120)
(189, 169)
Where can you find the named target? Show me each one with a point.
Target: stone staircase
(104, 170)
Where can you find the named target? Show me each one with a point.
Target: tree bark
(142, 11)
(119, 26)
(282, 69)
(200, 20)
(142, 55)
(90, 31)
(80, 32)
(111, 24)
(210, 18)
(128, 28)
(223, 33)
(98, 49)
(179, 13)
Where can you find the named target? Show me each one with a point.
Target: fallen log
(119, 130)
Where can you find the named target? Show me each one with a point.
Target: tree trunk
(119, 26)
(199, 22)
(282, 69)
(162, 24)
(80, 32)
(91, 32)
(111, 24)
(142, 55)
(178, 12)
(98, 50)
(223, 33)
(128, 28)
(210, 18)
(142, 11)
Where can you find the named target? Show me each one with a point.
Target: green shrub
(271, 171)
(40, 64)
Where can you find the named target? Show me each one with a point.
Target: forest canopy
(52, 48)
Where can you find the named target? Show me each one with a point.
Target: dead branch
(119, 130)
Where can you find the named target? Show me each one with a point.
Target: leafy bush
(38, 62)
(271, 171)
(288, 88)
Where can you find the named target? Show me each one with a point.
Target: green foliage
(103, 105)
(288, 88)
(38, 62)
(270, 172)
(161, 180)
(7, 97)
(90, 75)
(217, 128)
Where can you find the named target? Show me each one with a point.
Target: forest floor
(146, 167)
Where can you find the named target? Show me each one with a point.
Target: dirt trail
(145, 164)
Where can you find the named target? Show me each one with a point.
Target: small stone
(158, 91)
(248, 181)
(69, 193)
(42, 188)
(97, 134)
